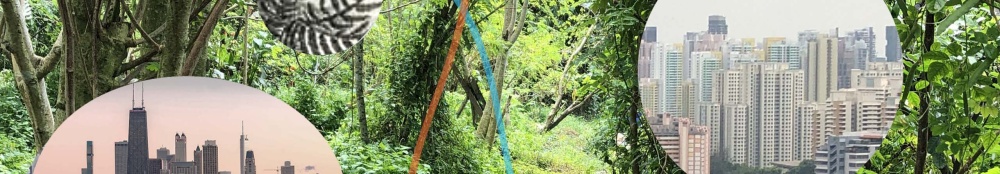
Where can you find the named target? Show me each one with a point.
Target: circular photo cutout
(770, 86)
(319, 27)
(186, 125)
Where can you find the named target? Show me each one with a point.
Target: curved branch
(48, 63)
(199, 44)
(400, 6)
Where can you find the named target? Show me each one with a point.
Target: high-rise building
(854, 110)
(649, 89)
(784, 52)
(878, 74)
(183, 168)
(121, 157)
(645, 56)
(180, 146)
(162, 153)
(649, 34)
(821, 68)
(847, 153)
(155, 166)
(138, 147)
(198, 162)
(893, 50)
(288, 168)
(688, 100)
(251, 166)
(210, 157)
(225, 172)
(805, 114)
(717, 25)
(90, 159)
(686, 143)
(866, 37)
(758, 104)
(243, 139)
(705, 64)
(667, 67)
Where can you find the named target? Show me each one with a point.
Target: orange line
(440, 87)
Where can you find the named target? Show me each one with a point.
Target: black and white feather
(319, 27)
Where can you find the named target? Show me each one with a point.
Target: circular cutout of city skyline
(204, 118)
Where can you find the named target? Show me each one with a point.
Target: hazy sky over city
(202, 108)
(766, 18)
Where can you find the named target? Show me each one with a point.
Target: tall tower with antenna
(243, 139)
(138, 147)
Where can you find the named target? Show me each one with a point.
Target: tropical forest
(565, 74)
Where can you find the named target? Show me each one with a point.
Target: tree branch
(400, 6)
(565, 113)
(47, 64)
(199, 44)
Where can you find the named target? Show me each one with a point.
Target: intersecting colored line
(464, 7)
(493, 88)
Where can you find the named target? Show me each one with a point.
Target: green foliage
(804, 167)
(951, 81)
(357, 157)
(15, 157)
(720, 165)
(13, 116)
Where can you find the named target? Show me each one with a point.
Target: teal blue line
(493, 87)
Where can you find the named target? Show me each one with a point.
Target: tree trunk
(176, 38)
(487, 128)
(97, 51)
(359, 88)
(32, 89)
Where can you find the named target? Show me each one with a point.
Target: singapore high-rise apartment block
(764, 102)
(756, 110)
(847, 153)
(821, 67)
(687, 144)
(138, 149)
(784, 52)
(121, 157)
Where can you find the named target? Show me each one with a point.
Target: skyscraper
(821, 70)
(183, 168)
(210, 157)
(121, 157)
(180, 147)
(288, 168)
(717, 25)
(649, 34)
(251, 167)
(138, 157)
(784, 52)
(758, 102)
(155, 166)
(90, 158)
(198, 162)
(243, 139)
(162, 153)
(893, 50)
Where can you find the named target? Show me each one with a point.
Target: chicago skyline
(202, 112)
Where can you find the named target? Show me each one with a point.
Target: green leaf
(922, 84)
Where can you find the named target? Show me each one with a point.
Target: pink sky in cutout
(203, 109)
